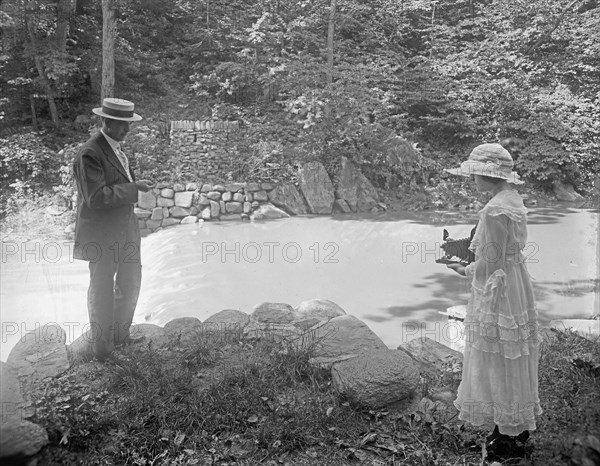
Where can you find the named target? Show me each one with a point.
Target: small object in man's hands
(144, 185)
(457, 250)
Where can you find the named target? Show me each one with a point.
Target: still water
(380, 268)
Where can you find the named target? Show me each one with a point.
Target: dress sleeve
(488, 272)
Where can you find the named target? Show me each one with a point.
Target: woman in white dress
(499, 385)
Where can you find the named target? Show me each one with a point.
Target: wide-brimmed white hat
(117, 109)
(491, 160)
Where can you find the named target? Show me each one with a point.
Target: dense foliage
(443, 74)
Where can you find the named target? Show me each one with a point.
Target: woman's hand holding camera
(458, 268)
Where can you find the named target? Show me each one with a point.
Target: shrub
(26, 167)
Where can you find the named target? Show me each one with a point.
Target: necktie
(123, 159)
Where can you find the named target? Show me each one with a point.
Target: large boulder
(317, 188)
(20, 439)
(286, 197)
(227, 320)
(377, 378)
(565, 192)
(280, 313)
(428, 351)
(341, 206)
(342, 336)
(11, 396)
(268, 212)
(321, 309)
(40, 354)
(275, 332)
(273, 321)
(183, 329)
(355, 188)
(585, 451)
(154, 335)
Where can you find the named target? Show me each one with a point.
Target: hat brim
(513, 179)
(99, 112)
(457, 172)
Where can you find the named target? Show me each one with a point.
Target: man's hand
(144, 185)
(458, 268)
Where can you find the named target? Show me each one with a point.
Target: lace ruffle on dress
(500, 368)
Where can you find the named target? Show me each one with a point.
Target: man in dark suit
(107, 234)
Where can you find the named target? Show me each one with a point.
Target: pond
(379, 268)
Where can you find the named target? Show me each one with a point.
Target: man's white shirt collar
(115, 145)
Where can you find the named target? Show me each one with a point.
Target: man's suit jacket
(105, 214)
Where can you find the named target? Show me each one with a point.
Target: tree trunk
(330, 34)
(109, 30)
(64, 11)
(48, 89)
(34, 121)
(41, 69)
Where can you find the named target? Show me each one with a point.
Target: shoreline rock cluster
(363, 368)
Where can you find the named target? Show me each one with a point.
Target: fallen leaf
(369, 438)
(65, 437)
(179, 439)
(312, 453)
(391, 448)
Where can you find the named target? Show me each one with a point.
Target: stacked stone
(205, 145)
(168, 205)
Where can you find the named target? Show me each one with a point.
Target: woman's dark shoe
(495, 434)
(502, 446)
(522, 437)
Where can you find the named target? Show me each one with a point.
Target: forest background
(401, 87)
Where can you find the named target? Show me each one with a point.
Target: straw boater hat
(491, 160)
(117, 109)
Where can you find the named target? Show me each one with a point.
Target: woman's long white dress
(500, 368)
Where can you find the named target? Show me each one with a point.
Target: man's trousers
(115, 281)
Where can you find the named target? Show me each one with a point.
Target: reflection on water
(380, 268)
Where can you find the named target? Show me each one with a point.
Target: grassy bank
(225, 401)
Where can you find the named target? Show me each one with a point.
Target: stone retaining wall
(172, 204)
(208, 145)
